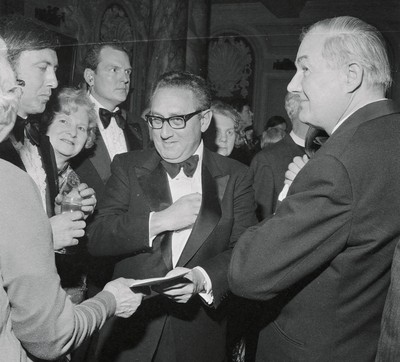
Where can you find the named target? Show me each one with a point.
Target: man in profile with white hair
(323, 260)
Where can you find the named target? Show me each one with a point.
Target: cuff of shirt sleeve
(207, 295)
(151, 238)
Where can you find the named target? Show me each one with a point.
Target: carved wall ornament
(115, 26)
(229, 67)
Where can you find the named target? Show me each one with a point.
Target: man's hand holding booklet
(151, 286)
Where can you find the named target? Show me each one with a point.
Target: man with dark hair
(176, 208)
(108, 75)
(32, 51)
(323, 260)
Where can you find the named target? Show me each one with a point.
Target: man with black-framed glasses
(176, 209)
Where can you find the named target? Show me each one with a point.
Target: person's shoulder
(14, 181)
(9, 172)
(225, 163)
(136, 157)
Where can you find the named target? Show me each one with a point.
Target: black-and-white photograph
(200, 180)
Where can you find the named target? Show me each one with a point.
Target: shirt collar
(297, 140)
(345, 118)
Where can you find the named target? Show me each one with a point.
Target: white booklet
(157, 281)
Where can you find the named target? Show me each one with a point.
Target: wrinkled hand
(182, 291)
(89, 199)
(294, 168)
(180, 215)
(67, 228)
(127, 301)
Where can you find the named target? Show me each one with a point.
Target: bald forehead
(186, 95)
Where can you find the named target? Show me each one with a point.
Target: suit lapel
(213, 186)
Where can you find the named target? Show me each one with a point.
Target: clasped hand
(180, 215)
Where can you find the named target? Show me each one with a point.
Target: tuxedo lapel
(101, 159)
(154, 183)
(210, 212)
(50, 167)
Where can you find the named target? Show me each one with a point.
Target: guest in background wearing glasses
(176, 209)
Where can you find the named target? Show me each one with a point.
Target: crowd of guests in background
(270, 247)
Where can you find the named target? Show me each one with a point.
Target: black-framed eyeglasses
(176, 122)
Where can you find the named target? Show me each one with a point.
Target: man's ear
(354, 76)
(88, 74)
(206, 120)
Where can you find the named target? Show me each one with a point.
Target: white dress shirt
(113, 135)
(180, 186)
(297, 140)
(33, 164)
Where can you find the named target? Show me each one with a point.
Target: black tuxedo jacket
(325, 255)
(137, 186)
(268, 169)
(93, 165)
(93, 168)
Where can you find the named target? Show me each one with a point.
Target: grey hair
(292, 105)
(351, 39)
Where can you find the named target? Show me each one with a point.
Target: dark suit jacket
(389, 341)
(268, 169)
(326, 254)
(137, 186)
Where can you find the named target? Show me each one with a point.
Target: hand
(294, 168)
(180, 215)
(182, 291)
(127, 301)
(89, 199)
(67, 228)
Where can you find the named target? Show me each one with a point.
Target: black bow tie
(106, 115)
(189, 166)
(28, 127)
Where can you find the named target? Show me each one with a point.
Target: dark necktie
(26, 126)
(189, 166)
(106, 115)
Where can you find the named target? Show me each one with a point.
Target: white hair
(351, 39)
